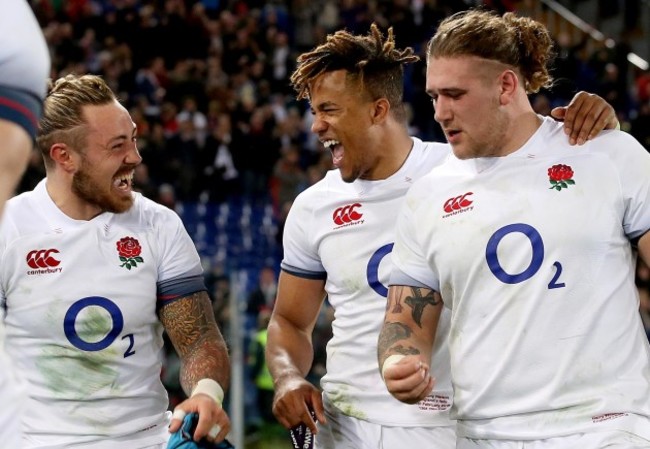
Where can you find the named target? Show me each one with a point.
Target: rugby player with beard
(91, 274)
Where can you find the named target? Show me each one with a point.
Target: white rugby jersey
(532, 253)
(81, 324)
(344, 233)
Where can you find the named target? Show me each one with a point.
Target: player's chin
(120, 204)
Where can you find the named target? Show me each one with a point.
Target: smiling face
(105, 170)
(466, 94)
(343, 123)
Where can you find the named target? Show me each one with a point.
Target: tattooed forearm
(205, 361)
(394, 305)
(191, 327)
(417, 302)
(410, 350)
(390, 334)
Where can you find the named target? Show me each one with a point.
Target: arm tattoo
(397, 308)
(191, 327)
(390, 334)
(418, 302)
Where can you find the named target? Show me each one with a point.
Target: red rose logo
(129, 250)
(560, 176)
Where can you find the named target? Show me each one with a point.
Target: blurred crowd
(207, 83)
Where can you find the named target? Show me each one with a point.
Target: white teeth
(330, 143)
(126, 178)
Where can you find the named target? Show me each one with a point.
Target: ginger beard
(88, 189)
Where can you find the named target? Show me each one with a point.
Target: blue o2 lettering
(117, 319)
(129, 350)
(558, 272)
(537, 246)
(372, 271)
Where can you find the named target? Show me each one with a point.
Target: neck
(59, 187)
(522, 125)
(396, 146)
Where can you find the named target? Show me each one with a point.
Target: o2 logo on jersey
(96, 325)
(537, 245)
(347, 214)
(372, 270)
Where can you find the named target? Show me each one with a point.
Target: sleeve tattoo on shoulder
(187, 319)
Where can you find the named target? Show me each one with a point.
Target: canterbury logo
(42, 258)
(457, 203)
(346, 214)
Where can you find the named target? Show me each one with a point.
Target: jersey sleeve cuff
(22, 108)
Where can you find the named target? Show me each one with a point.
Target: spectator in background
(149, 87)
(191, 113)
(143, 183)
(184, 152)
(256, 149)
(166, 196)
(289, 178)
(221, 175)
(259, 370)
(263, 296)
(220, 297)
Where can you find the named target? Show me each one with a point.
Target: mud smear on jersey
(77, 375)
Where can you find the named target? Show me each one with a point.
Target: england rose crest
(560, 176)
(129, 250)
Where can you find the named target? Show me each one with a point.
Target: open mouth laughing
(337, 151)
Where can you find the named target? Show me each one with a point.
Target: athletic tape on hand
(214, 431)
(390, 360)
(210, 387)
(179, 414)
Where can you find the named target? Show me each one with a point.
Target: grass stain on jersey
(74, 374)
(342, 401)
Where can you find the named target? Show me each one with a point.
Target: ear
(380, 110)
(509, 83)
(63, 157)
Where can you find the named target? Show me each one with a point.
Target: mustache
(126, 169)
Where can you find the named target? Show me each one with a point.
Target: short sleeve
(410, 265)
(300, 250)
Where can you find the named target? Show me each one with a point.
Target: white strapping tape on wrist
(390, 360)
(210, 387)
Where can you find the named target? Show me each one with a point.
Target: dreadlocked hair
(371, 60)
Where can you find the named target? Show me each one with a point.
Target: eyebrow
(324, 104)
(446, 91)
(134, 132)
